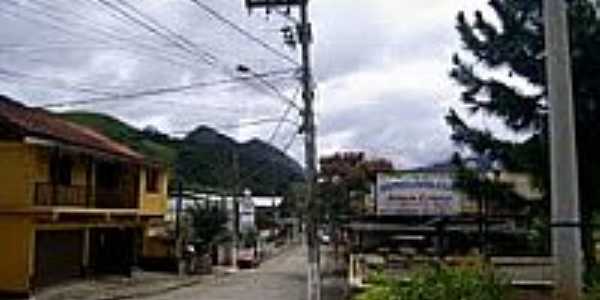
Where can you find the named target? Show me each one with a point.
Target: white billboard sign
(417, 194)
(247, 214)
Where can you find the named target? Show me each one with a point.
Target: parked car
(247, 258)
(325, 238)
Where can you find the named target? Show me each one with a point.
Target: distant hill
(151, 143)
(205, 157)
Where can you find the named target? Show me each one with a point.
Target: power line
(243, 32)
(259, 122)
(52, 82)
(278, 93)
(102, 91)
(184, 43)
(59, 23)
(152, 29)
(252, 123)
(44, 81)
(273, 135)
(173, 38)
(164, 90)
(265, 166)
(61, 47)
(284, 116)
(47, 7)
(178, 37)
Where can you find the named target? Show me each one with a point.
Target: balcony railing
(49, 194)
(109, 198)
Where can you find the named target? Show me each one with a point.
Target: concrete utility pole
(310, 153)
(236, 209)
(566, 224)
(178, 241)
(309, 129)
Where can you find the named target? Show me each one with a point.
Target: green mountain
(148, 142)
(209, 158)
(204, 158)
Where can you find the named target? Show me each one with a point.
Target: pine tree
(508, 46)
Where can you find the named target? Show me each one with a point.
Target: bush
(208, 226)
(592, 292)
(476, 282)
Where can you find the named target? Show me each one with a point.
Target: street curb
(159, 291)
(190, 282)
(153, 293)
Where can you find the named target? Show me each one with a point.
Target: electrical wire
(154, 30)
(284, 116)
(173, 38)
(163, 90)
(273, 135)
(183, 43)
(53, 83)
(252, 123)
(68, 27)
(208, 57)
(211, 11)
(257, 123)
(264, 165)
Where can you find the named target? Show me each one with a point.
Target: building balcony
(54, 195)
(49, 194)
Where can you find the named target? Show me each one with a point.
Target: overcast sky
(381, 68)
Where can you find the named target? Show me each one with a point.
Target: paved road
(281, 278)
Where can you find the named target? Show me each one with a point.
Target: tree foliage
(352, 169)
(508, 47)
(209, 225)
(345, 174)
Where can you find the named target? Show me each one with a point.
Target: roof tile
(42, 123)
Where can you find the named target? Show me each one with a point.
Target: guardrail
(49, 194)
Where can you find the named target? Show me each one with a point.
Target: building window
(60, 170)
(152, 181)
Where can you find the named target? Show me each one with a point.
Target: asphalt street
(280, 278)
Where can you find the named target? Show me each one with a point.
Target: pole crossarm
(273, 3)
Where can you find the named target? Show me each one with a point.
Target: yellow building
(72, 201)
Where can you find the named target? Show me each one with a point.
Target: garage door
(58, 256)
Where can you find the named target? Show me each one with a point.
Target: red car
(247, 258)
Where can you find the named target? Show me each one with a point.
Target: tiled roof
(40, 123)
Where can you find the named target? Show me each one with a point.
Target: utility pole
(304, 33)
(566, 224)
(310, 153)
(236, 207)
(178, 244)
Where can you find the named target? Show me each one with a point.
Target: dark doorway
(112, 250)
(58, 256)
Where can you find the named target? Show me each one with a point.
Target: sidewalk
(335, 285)
(141, 284)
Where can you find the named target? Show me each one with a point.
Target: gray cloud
(381, 68)
(411, 136)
